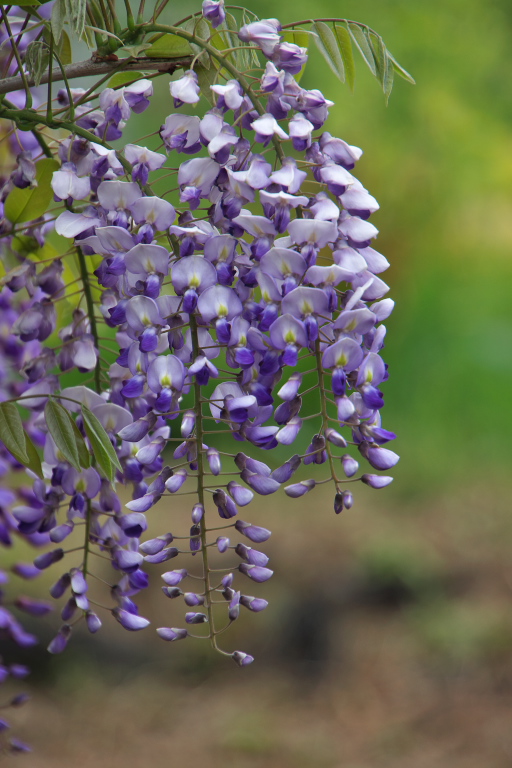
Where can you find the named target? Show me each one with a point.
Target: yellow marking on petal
(194, 281)
(341, 360)
(81, 485)
(166, 380)
(222, 310)
(290, 337)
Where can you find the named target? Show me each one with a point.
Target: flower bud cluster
(261, 275)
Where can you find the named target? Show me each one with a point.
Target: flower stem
(323, 410)
(200, 485)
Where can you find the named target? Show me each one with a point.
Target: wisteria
(163, 330)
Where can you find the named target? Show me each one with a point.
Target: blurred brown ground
(388, 642)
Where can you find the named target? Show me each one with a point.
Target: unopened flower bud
(241, 658)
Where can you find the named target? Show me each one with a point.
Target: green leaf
(34, 462)
(88, 38)
(12, 433)
(57, 19)
(169, 47)
(298, 36)
(83, 453)
(379, 55)
(75, 12)
(36, 59)
(363, 45)
(103, 450)
(135, 50)
(122, 78)
(60, 427)
(65, 52)
(201, 29)
(29, 2)
(328, 47)
(345, 46)
(241, 56)
(400, 71)
(27, 204)
(205, 78)
(389, 73)
(102, 32)
(253, 52)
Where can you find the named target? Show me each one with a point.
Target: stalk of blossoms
(290, 283)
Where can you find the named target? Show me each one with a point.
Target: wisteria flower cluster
(166, 328)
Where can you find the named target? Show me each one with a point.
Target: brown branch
(93, 67)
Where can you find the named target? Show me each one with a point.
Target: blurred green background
(388, 641)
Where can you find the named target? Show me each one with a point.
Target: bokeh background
(388, 641)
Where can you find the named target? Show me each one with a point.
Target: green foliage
(206, 78)
(36, 59)
(58, 19)
(75, 14)
(169, 46)
(106, 457)
(13, 434)
(123, 78)
(60, 427)
(84, 456)
(363, 44)
(345, 48)
(27, 204)
(65, 52)
(34, 461)
(16, 439)
(328, 46)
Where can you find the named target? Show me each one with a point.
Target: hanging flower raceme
(209, 314)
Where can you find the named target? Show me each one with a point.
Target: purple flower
(230, 95)
(129, 621)
(253, 532)
(171, 634)
(376, 481)
(241, 658)
(266, 127)
(266, 270)
(263, 33)
(185, 90)
(213, 10)
(255, 572)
